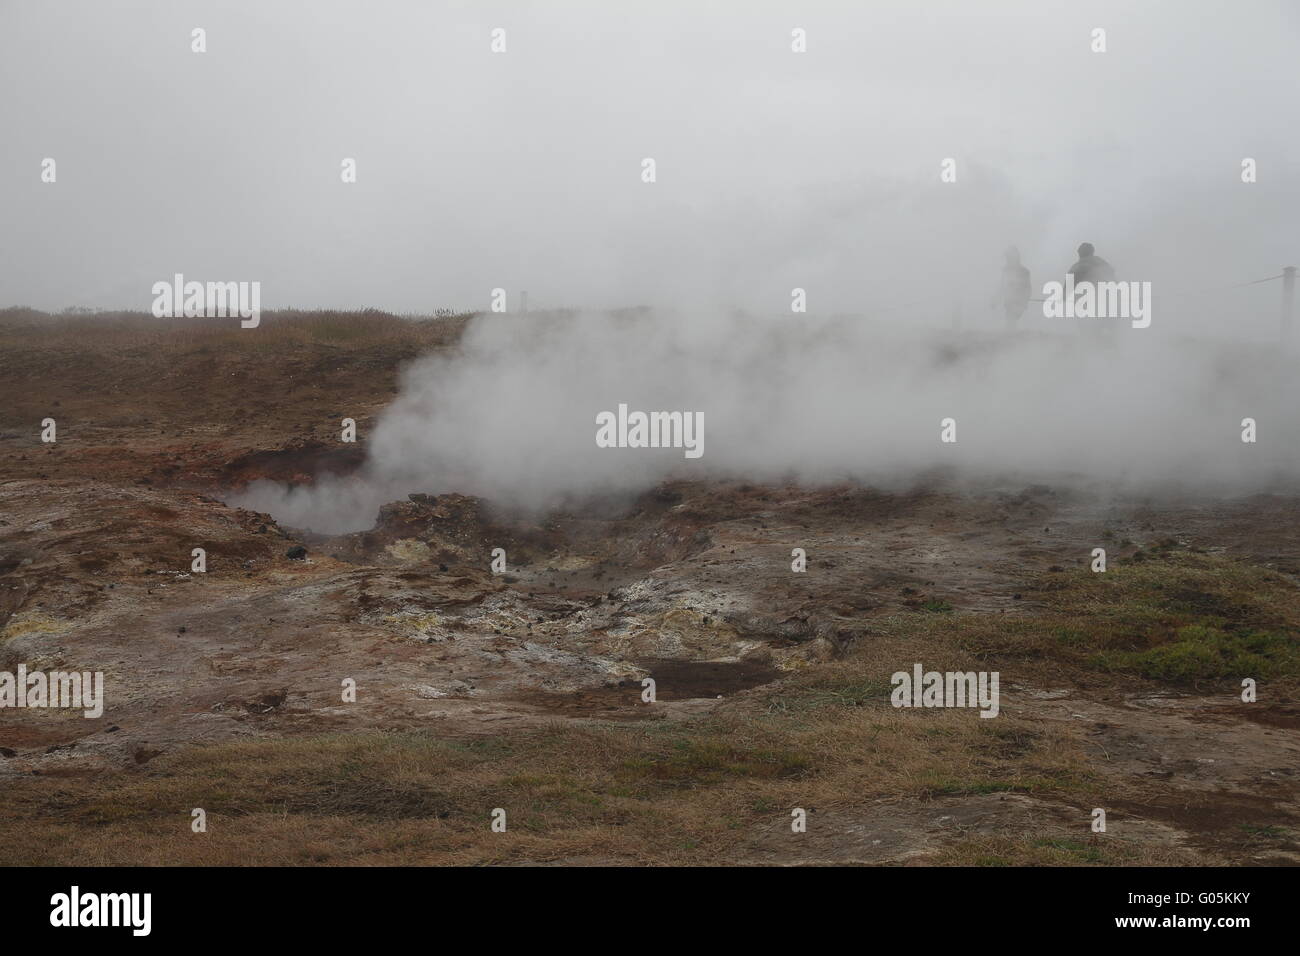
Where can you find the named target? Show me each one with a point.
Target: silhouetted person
(1091, 267)
(1014, 291)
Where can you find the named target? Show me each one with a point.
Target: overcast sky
(522, 170)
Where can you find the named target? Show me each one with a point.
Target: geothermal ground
(523, 690)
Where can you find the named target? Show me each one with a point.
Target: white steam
(511, 415)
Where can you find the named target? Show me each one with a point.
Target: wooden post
(1288, 301)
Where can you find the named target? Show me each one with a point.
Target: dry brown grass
(100, 373)
(654, 792)
(657, 792)
(640, 793)
(127, 331)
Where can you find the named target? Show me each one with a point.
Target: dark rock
(143, 755)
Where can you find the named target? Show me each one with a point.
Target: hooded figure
(1015, 290)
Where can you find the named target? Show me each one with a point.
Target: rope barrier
(1256, 282)
(1228, 288)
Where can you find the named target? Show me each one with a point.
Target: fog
(774, 171)
(522, 170)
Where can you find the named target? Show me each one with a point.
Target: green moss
(1205, 652)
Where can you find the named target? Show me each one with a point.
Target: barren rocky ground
(523, 690)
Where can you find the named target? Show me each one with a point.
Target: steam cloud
(511, 416)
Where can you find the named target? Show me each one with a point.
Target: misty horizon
(521, 170)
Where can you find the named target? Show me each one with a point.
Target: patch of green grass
(1204, 652)
(1179, 617)
(694, 762)
(1068, 636)
(1268, 832)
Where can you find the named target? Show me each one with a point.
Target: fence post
(1288, 301)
